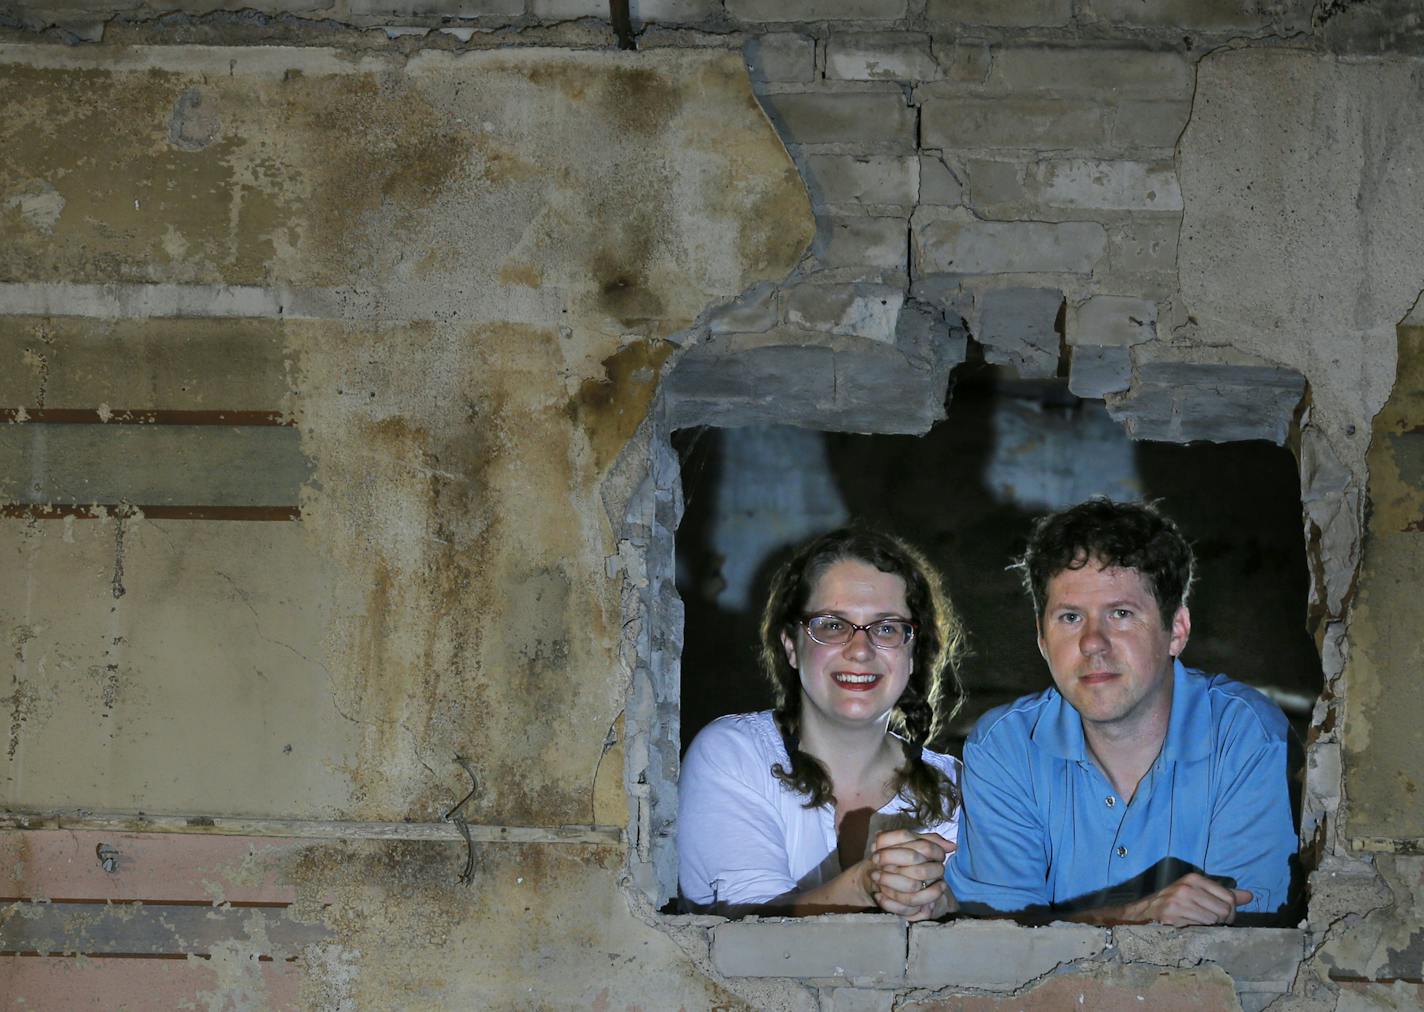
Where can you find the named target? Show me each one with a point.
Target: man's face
(1102, 635)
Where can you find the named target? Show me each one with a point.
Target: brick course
(816, 10)
(899, 56)
(865, 120)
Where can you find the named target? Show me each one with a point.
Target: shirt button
(1122, 852)
(1110, 801)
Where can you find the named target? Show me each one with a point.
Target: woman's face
(856, 683)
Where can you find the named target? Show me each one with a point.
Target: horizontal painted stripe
(264, 514)
(181, 466)
(146, 929)
(313, 829)
(141, 416)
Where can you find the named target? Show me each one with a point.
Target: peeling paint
(1384, 716)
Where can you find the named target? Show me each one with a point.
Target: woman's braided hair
(933, 694)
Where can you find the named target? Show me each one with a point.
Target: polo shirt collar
(1189, 728)
(1059, 729)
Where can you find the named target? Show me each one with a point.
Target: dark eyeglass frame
(805, 623)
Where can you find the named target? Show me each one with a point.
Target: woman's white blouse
(743, 837)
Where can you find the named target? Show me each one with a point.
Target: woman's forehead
(853, 583)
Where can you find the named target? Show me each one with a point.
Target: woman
(817, 806)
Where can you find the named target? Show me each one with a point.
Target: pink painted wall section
(143, 985)
(64, 864)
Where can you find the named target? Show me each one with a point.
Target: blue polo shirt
(1044, 827)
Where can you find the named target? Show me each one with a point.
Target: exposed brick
(963, 62)
(1203, 15)
(1096, 184)
(712, 386)
(1041, 124)
(1097, 372)
(1112, 988)
(455, 9)
(1112, 320)
(1087, 71)
(867, 242)
(675, 11)
(1144, 246)
(865, 120)
(1391, 27)
(1258, 959)
(782, 56)
(1149, 124)
(1017, 327)
(995, 955)
(880, 56)
(754, 313)
(864, 310)
(1181, 395)
(856, 999)
(864, 179)
(881, 390)
(1005, 13)
(1008, 247)
(938, 185)
(563, 9)
(992, 183)
(860, 947)
(816, 10)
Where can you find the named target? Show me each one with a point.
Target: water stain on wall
(610, 408)
(1384, 715)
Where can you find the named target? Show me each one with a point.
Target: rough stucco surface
(463, 288)
(408, 618)
(1322, 210)
(467, 274)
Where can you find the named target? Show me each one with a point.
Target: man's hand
(1192, 899)
(907, 874)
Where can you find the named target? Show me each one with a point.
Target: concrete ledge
(995, 955)
(1258, 959)
(865, 949)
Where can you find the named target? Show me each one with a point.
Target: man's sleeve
(731, 845)
(1253, 837)
(1001, 864)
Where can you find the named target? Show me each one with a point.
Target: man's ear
(1181, 630)
(789, 645)
(1038, 628)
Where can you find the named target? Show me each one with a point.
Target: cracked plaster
(1271, 318)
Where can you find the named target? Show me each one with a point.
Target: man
(1136, 789)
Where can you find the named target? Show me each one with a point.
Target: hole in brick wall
(965, 492)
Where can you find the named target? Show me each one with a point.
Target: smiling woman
(817, 805)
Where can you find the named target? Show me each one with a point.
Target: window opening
(1009, 450)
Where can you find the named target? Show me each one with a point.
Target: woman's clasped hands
(905, 874)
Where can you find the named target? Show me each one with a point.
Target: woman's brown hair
(933, 694)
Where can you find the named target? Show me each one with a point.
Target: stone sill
(882, 951)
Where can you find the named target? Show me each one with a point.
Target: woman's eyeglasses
(834, 631)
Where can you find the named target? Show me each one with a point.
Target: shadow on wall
(966, 492)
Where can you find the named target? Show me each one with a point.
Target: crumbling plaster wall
(486, 285)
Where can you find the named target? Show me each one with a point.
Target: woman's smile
(854, 683)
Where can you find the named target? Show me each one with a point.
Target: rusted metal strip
(56, 511)
(142, 416)
(314, 829)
